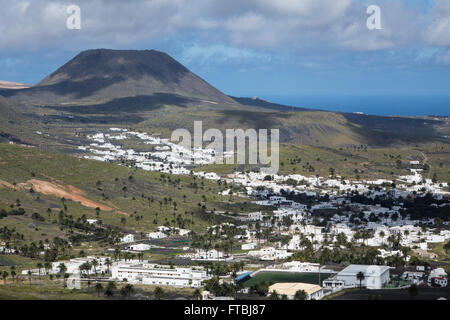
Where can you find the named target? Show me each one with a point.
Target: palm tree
(95, 264)
(382, 234)
(13, 272)
(47, 267)
(301, 295)
(274, 295)
(360, 276)
(98, 288)
(4, 276)
(127, 290)
(158, 293)
(108, 264)
(117, 254)
(62, 270)
(109, 292)
(85, 267)
(40, 266)
(197, 295)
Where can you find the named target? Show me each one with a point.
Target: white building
(255, 216)
(157, 235)
(249, 246)
(270, 254)
(207, 255)
(5, 250)
(438, 277)
(182, 232)
(212, 254)
(153, 274)
(73, 265)
(374, 277)
(301, 266)
(128, 238)
(139, 247)
(414, 277)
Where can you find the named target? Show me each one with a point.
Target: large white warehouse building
(374, 277)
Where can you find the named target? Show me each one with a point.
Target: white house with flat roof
(139, 247)
(374, 277)
(157, 235)
(128, 238)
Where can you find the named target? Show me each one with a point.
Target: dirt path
(426, 161)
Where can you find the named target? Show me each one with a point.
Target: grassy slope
(371, 164)
(315, 128)
(42, 290)
(19, 164)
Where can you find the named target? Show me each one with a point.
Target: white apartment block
(161, 275)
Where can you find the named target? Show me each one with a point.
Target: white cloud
(399, 24)
(438, 32)
(221, 54)
(248, 24)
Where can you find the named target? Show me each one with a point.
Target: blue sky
(246, 48)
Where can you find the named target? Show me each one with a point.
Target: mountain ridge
(152, 91)
(102, 75)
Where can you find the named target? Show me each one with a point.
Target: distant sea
(411, 105)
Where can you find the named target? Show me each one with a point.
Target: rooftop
(291, 288)
(368, 270)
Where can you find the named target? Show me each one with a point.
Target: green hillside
(131, 199)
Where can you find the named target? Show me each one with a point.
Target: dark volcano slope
(99, 76)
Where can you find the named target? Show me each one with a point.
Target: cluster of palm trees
(118, 255)
(13, 274)
(299, 295)
(46, 266)
(219, 238)
(222, 269)
(126, 291)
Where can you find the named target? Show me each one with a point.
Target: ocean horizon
(381, 105)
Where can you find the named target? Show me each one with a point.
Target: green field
(42, 290)
(145, 199)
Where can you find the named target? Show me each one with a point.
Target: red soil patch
(67, 192)
(8, 185)
(58, 189)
